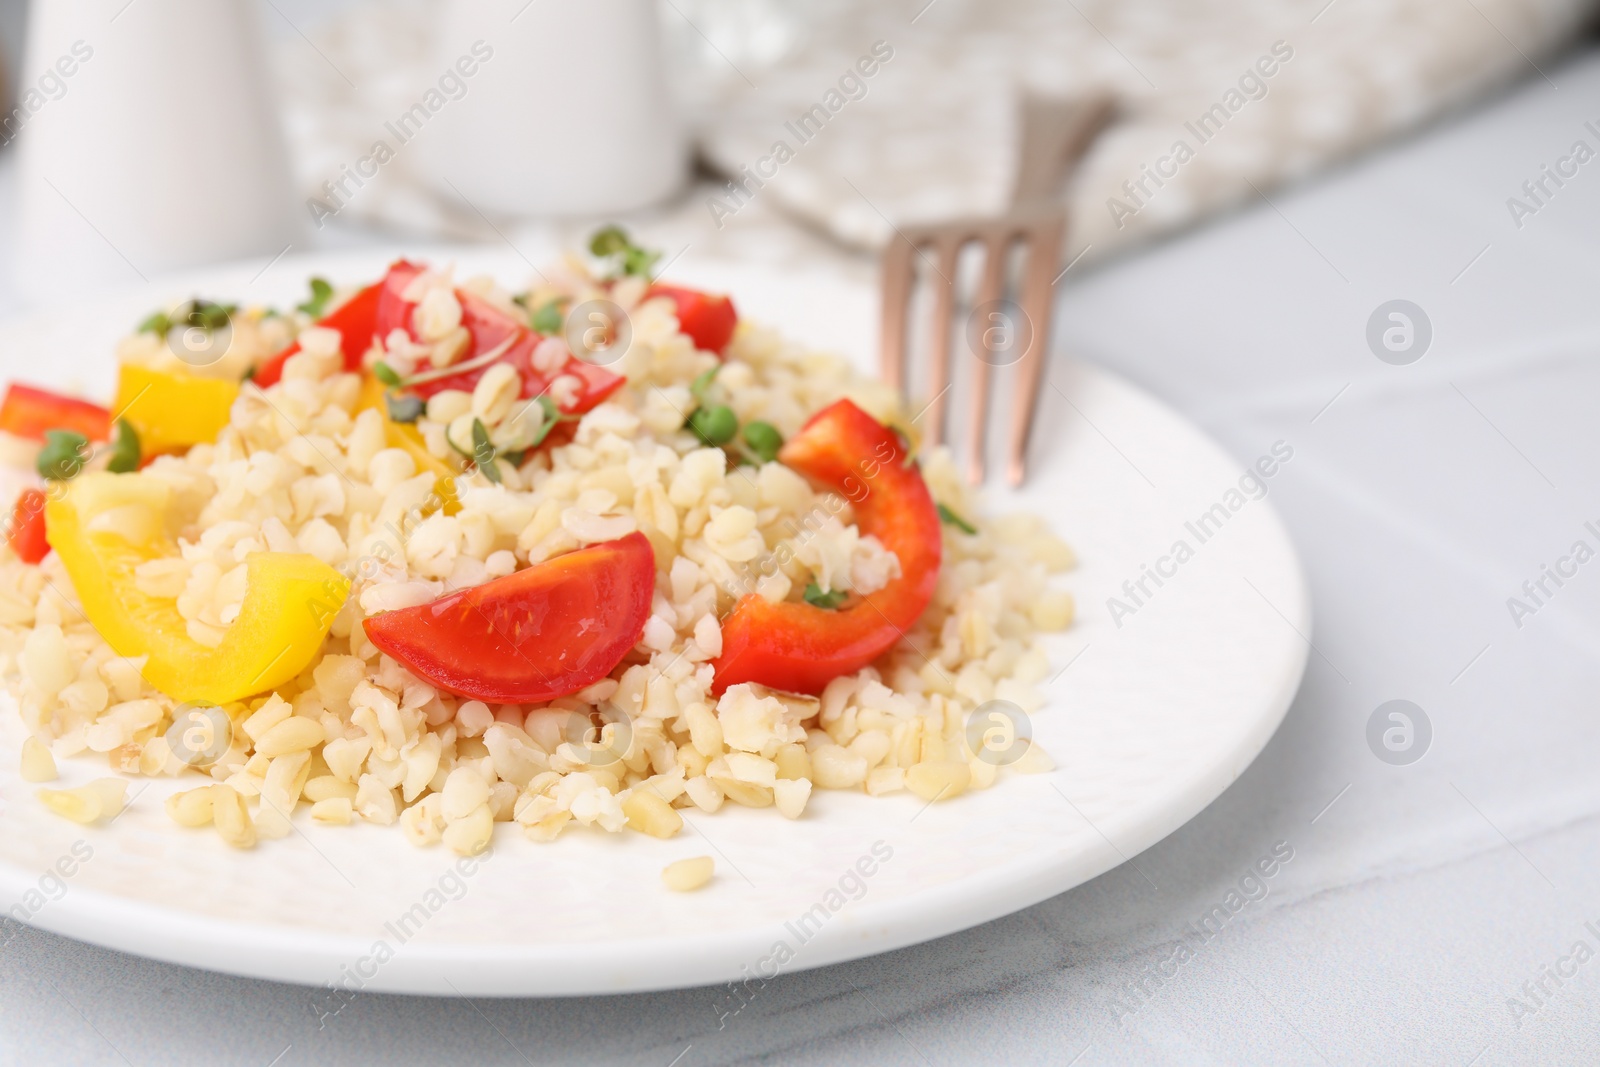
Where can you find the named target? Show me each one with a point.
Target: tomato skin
(540, 633)
(355, 320)
(708, 318)
(801, 648)
(490, 327)
(26, 534)
(28, 412)
(394, 311)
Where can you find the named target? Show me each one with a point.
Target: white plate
(1153, 719)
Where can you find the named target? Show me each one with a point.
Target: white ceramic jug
(570, 114)
(148, 141)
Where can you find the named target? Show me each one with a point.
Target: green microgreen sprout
(63, 455)
(125, 451)
(404, 407)
(205, 314)
(613, 244)
(957, 521)
(547, 320)
(828, 601)
(483, 453)
(321, 294)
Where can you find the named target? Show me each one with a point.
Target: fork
(1056, 133)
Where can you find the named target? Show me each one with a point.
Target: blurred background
(603, 123)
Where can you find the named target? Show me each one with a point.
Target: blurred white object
(149, 142)
(931, 134)
(1258, 92)
(571, 115)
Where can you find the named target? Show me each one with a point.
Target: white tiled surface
(1421, 498)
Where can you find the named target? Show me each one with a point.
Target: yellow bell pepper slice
(399, 434)
(171, 410)
(104, 525)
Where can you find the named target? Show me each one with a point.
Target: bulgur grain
(685, 876)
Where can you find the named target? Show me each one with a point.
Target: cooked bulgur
(356, 736)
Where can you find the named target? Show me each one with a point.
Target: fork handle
(1056, 133)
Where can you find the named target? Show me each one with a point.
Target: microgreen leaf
(205, 314)
(404, 407)
(639, 261)
(321, 294)
(210, 316)
(608, 241)
(613, 243)
(63, 455)
(125, 451)
(483, 452)
(547, 320)
(552, 416)
(157, 322)
(828, 601)
(956, 520)
(702, 383)
(386, 374)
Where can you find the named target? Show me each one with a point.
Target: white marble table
(1420, 898)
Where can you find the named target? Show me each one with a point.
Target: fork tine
(995, 244)
(944, 302)
(896, 285)
(1038, 291)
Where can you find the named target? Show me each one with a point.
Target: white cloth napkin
(1221, 100)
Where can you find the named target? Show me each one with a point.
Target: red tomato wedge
(544, 632)
(708, 318)
(394, 310)
(354, 319)
(29, 412)
(490, 328)
(801, 648)
(26, 533)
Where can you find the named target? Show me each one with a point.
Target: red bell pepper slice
(355, 320)
(540, 633)
(708, 318)
(26, 533)
(490, 327)
(29, 412)
(800, 648)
